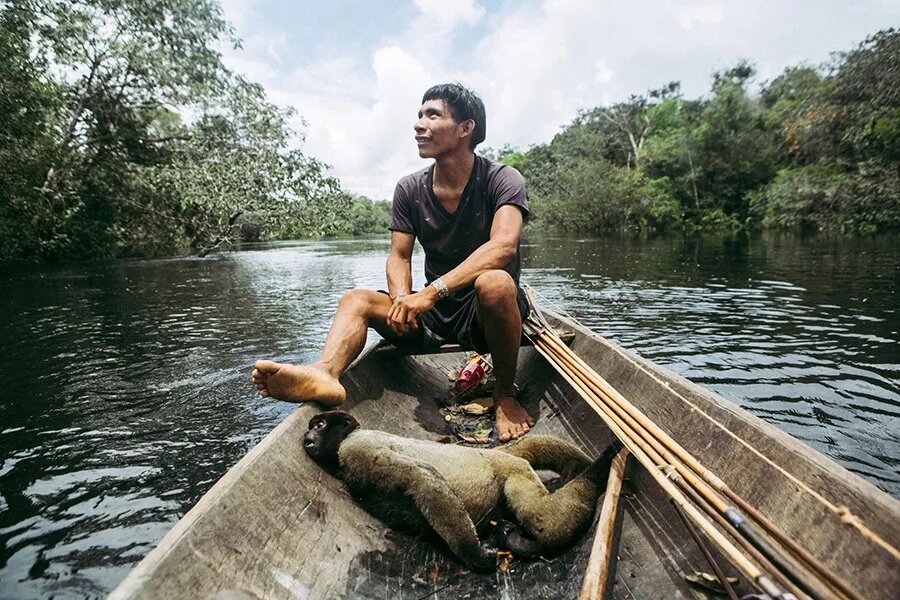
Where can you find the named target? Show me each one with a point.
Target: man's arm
(399, 263)
(399, 281)
(493, 254)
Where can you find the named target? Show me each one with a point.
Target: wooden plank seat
(387, 346)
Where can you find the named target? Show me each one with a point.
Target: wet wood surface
(602, 562)
(277, 526)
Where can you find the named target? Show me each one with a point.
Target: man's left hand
(403, 315)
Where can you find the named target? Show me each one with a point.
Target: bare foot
(512, 420)
(297, 383)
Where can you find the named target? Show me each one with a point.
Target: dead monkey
(408, 482)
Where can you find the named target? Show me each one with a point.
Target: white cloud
(542, 65)
(450, 14)
(535, 64)
(240, 13)
(275, 47)
(700, 14)
(602, 73)
(368, 139)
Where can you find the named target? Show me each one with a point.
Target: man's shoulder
(414, 180)
(500, 178)
(497, 171)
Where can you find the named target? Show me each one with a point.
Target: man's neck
(453, 171)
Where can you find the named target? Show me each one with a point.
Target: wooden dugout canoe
(277, 526)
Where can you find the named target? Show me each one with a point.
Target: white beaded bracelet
(442, 291)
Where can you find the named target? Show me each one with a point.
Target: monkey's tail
(599, 469)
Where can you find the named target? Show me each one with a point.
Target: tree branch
(53, 172)
(222, 237)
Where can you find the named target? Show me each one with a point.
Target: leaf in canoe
(484, 429)
(473, 438)
(505, 560)
(481, 406)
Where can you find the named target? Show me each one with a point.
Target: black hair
(464, 104)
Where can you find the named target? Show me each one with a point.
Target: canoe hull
(277, 526)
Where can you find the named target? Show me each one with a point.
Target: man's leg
(498, 316)
(357, 311)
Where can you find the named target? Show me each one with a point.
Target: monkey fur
(417, 483)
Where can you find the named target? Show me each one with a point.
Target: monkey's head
(326, 432)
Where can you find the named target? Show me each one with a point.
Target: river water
(126, 388)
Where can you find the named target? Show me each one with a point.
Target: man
(467, 213)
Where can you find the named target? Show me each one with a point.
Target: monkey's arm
(384, 471)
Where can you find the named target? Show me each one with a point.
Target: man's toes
(510, 432)
(265, 367)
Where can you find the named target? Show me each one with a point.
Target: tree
(618, 132)
(28, 102)
(865, 86)
(671, 151)
(815, 149)
(113, 65)
(119, 171)
(794, 109)
(735, 152)
(842, 134)
(122, 59)
(236, 158)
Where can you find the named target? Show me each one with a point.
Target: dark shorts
(453, 320)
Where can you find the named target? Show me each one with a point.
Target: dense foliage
(122, 133)
(816, 148)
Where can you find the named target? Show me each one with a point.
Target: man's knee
(360, 302)
(495, 288)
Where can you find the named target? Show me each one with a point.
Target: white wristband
(441, 288)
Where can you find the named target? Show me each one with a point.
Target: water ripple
(138, 396)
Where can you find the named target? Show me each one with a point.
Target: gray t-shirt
(448, 239)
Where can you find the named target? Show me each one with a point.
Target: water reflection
(127, 392)
(801, 332)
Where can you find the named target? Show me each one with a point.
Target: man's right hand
(402, 319)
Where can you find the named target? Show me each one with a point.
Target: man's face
(436, 131)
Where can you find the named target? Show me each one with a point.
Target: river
(126, 388)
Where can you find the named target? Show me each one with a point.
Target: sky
(355, 71)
